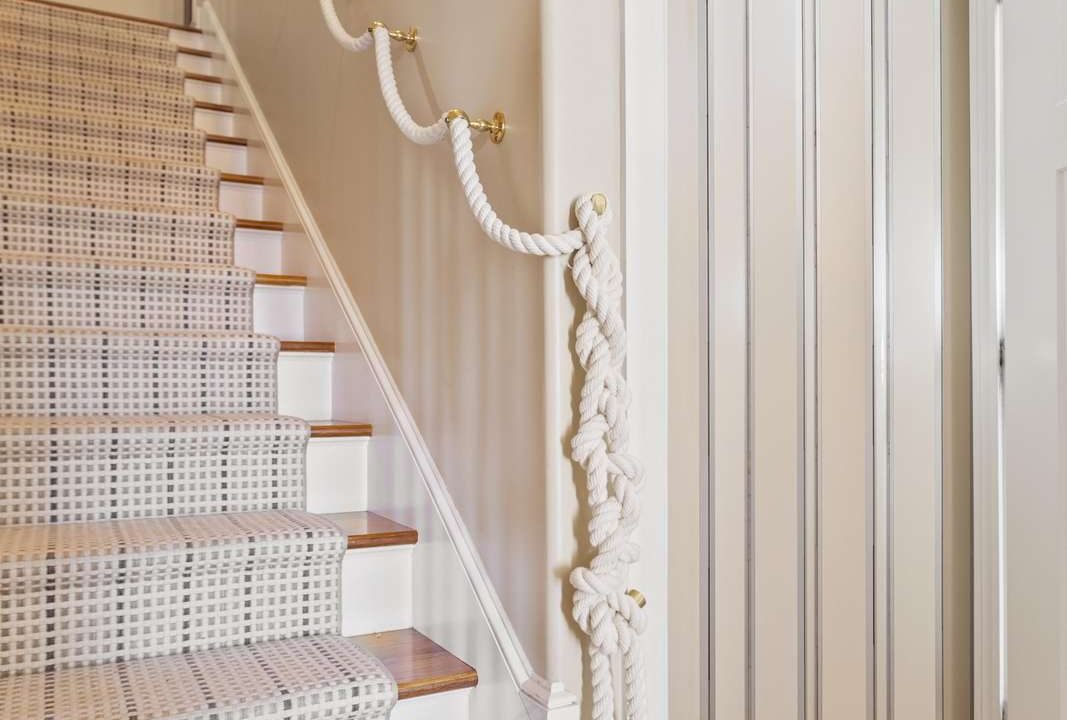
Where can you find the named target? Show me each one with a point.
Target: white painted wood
(214, 122)
(645, 259)
(305, 384)
(376, 590)
(242, 199)
(913, 241)
(1034, 212)
(279, 311)
(454, 705)
(202, 65)
(227, 158)
(728, 250)
(775, 362)
(200, 41)
(337, 476)
(842, 674)
(206, 91)
(260, 250)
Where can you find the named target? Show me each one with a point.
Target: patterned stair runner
(156, 560)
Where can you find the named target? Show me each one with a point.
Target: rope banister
(612, 616)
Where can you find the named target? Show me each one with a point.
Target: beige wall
(685, 169)
(458, 319)
(166, 10)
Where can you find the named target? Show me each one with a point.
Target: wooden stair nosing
(308, 346)
(266, 225)
(215, 107)
(214, 79)
(196, 51)
(272, 280)
(225, 139)
(418, 664)
(371, 530)
(120, 16)
(340, 429)
(242, 179)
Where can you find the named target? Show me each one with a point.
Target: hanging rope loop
(611, 615)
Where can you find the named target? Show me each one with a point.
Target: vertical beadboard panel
(728, 258)
(845, 312)
(914, 281)
(776, 302)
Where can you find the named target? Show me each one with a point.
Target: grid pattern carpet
(156, 560)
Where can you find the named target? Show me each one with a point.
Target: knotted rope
(612, 617)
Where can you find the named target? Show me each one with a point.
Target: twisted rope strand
(605, 612)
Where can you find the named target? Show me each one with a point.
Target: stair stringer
(468, 616)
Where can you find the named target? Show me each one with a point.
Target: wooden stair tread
(419, 665)
(371, 530)
(281, 280)
(195, 51)
(309, 346)
(242, 178)
(120, 16)
(271, 225)
(214, 79)
(226, 140)
(217, 107)
(340, 428)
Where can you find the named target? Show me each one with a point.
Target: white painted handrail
(611, 616)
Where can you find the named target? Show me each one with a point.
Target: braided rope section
(605, 612)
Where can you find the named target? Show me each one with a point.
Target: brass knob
(600, 205)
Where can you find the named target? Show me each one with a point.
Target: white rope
(603, 609)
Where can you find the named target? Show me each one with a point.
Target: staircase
(183, 531)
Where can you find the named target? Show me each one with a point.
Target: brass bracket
(496, 127)
(637, 596)
(410, 39)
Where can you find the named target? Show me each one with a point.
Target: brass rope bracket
(496, 127)
(410, 39)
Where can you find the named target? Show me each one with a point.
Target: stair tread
(201, 77)
(217, 107)
(308, 346)
(196, 51)
(225, 139)
(118, 543)
(418, 664)
(325, 673)
(369, 530)
(82, 10)
(88, 263)
(340, 428)
(274, 280)
(242, 178)
(268, 225)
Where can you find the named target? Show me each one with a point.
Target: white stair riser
(199, 41)
(279, 311)
(337, 474)
(227, 158)
(214, 122)
(206, 91)
(452, 705)
(376, 590)
(260, 250)
(305, 385)
(242, 199)
(202, 65)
